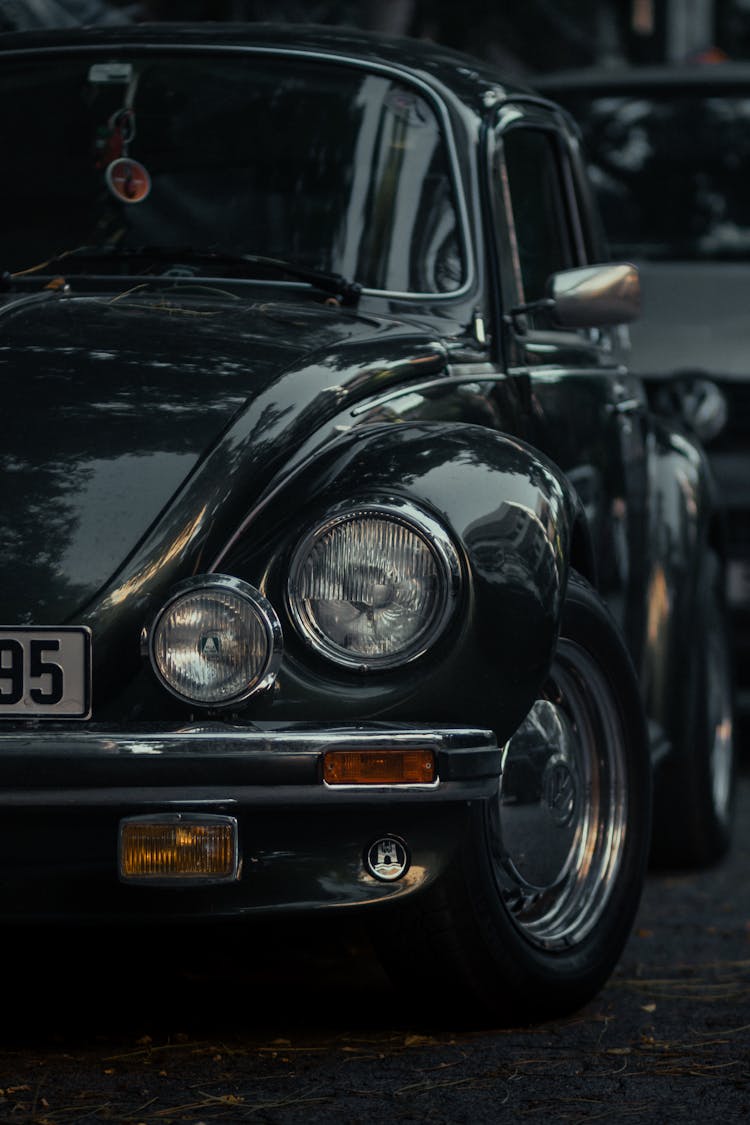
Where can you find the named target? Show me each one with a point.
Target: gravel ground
(303, 1027)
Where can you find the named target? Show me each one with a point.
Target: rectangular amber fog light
(178, 848)
(379, 767)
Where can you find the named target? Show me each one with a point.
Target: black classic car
(668, 152)
(343, 563)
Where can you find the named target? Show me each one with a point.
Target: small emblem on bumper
(387, 858)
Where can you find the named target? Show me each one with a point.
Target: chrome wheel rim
(558, 827)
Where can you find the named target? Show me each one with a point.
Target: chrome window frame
(388, 70)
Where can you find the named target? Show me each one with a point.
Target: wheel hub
(559, 791)
(561, 809)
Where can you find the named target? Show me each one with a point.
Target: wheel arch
(510, 513)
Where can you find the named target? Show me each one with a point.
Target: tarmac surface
(303, 1027)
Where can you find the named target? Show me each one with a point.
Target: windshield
(671, 169)
(321, 164)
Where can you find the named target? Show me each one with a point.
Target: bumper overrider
(220, 820)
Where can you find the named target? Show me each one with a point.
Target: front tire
(531, 918)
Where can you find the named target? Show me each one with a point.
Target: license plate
(45, 673)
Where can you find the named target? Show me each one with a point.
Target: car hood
(115, 405)
(694, 319)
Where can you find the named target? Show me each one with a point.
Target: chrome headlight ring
(374, 585)
(215, 642)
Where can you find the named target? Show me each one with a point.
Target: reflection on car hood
(695, 317)
(110, 404)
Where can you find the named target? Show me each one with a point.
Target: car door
(583, 408)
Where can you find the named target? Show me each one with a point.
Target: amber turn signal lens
(379, 767)
(164, 850)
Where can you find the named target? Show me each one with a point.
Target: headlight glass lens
(372, 588)
(214, 645)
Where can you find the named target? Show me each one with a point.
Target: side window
(543, 232)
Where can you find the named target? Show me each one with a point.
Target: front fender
(510, 515)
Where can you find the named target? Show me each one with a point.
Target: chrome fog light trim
(374, 585)
(215, 642)
(187, 849)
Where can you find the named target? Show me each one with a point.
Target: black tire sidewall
(530, 976)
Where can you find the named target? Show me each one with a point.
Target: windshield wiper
(344, 291)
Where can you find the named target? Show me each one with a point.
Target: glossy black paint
(136, 390)
(158, 428)
(451, 469)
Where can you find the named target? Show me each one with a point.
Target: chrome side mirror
(589, 296)
(595, 296)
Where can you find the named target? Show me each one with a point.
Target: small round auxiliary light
(215, 642)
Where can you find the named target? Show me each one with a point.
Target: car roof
(475, 83)
(635, 78)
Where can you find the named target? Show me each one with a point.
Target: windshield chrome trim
(162, 280)
(375, 67)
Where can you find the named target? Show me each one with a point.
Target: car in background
(668, 152)
(345, 566)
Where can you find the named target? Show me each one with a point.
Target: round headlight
(373, 587)
(216, 641)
